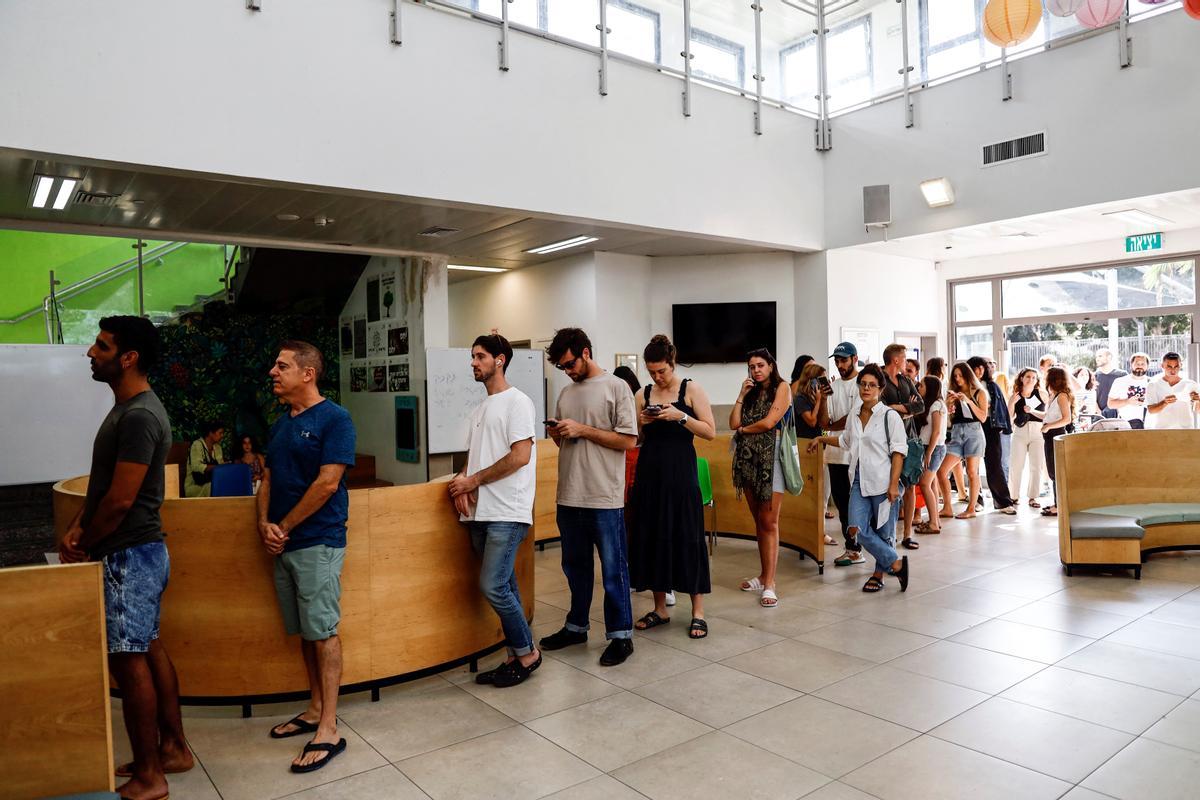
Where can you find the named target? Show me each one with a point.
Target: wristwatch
(683, 420)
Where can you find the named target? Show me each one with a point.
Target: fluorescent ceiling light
(554, 247)
(65, 190)
(476, 269)
(42, 193)
(938, 192)
(1136, 216)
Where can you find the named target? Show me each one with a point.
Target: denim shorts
(308, 584)
(134, 580)
(937, 457)
(966, 440)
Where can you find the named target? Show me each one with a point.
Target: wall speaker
(877, 205)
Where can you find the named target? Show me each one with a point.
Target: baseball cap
(845, 350)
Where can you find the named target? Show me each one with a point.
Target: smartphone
(653, 410)
(823, 384)
(550, 423)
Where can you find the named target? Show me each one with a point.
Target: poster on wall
(398, 377)
(376, 339)
(376, 376)
(397, 342)
(866, 340)
(358, 378)
(347, 332)
(387, 296)
(373, 300)
(360, 336)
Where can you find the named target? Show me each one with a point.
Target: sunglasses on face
(566, 365)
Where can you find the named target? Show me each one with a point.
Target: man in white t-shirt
(494, 496)
(1128, 394)
(841, 402)
(1171, 398)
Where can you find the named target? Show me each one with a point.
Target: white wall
(1112, 134)
(311, 92)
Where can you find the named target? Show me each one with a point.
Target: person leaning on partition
(203, 456)
(594, 424)
(303, 506)
(120, 526)
(494, 497)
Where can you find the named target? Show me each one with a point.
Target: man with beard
(119, 526)
(841, 403)
(1106, 373)
(1128, 393)
(595, 423)
(303, 506)
(494, 496)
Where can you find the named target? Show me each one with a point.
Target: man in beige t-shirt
(595, 423)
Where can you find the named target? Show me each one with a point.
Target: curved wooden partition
(801, 521)
(410, 597)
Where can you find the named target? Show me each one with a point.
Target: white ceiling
(1053, 229)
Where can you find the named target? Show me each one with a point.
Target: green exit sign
(1143, 243)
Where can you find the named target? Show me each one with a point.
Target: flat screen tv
(722, 333)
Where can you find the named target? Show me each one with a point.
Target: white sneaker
(670, 598)
(850, 557)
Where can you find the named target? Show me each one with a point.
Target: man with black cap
(837, 409)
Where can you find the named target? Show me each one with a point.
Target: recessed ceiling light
(553, 247)
(287, 217)
(322, 221)
(465, 268)
(45, 186)
(64, 193)
(1135, 216)
(938, 192)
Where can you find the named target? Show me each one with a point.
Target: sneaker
(563, 638)
(670, 598)
(617, 651)
(849, 558)
(514, 672)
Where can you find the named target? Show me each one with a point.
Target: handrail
(98, 279)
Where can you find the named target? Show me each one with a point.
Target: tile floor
(995, 675)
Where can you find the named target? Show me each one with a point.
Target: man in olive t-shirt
(119, 526)
(595, 424)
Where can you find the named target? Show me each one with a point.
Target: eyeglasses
(865, 385)
(566, 365)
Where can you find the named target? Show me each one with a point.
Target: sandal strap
(319, 747)
(699, 624)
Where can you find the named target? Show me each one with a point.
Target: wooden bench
(1123, 495)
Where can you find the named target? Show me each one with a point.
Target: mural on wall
(215, 365)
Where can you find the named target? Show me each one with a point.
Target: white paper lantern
(1063, 8)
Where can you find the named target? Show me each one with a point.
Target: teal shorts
(308, 583)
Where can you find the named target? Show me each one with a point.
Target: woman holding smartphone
(812, 391)
(761, 405)
(666, 534)
(1057, 419)
(967, 404)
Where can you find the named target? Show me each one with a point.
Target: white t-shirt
(1178, 414)
(1126, 387)
(499, 422)
(927, 433)
(841, 403)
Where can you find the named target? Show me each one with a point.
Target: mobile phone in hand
(653, 410)
(550, 423)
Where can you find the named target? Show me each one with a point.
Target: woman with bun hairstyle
(755, 418)
(666, 549)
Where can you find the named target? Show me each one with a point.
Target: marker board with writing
(453, 393)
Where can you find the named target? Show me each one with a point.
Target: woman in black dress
(666, 551)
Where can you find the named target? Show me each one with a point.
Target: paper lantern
(1192, 8)
(1098, 13)
(1010, 22)
(1063, 8)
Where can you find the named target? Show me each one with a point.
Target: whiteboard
(50, 410)
(453, 393)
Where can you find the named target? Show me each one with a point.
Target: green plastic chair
(706, 498)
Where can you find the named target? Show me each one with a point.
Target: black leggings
(1048, 446)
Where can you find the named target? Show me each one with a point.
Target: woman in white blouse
(875, 441)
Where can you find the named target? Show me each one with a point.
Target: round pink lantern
(1063, 8)
(1098, 13)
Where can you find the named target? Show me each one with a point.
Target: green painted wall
(27, 258)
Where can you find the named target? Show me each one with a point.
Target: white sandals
(769, 599)
(751, 585)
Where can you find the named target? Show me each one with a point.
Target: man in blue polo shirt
(302, 511)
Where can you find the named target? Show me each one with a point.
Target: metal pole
(758, 70)
(50, 309)
(687, 58)
(824, 137)
(140, 279)
(504, 35)
(394, 23)
(604, 31)
(1005, 75)
(1125, 41)
(907, 68)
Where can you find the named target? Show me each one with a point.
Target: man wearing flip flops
(302, 510)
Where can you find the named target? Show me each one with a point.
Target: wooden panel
(54, 682)
(545, 506)
(1180, 534)
(1106, 551)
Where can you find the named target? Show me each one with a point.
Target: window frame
(729, 46)
(864, 22)
(649, 13)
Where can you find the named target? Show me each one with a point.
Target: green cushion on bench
(1191, 511)
(1090, 525)
(1145, 513)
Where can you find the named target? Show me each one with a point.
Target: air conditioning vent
(1030, 146)
(438, 230)
(95, 200)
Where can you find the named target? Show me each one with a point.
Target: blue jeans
(134, 580)
(583, 529)
(497, 543)
(879, 542)
(1006, 454)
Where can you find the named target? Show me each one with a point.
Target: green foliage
(216, 364)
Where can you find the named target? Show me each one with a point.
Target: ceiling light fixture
(41, 191)
(938, 192)
(465, 268)
(287, 217)
(65, 190)
(47, 186)
(1135, 216)
(554, 247)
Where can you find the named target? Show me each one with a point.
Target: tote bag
(789, 455)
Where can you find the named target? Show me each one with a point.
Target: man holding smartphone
(595, 423)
